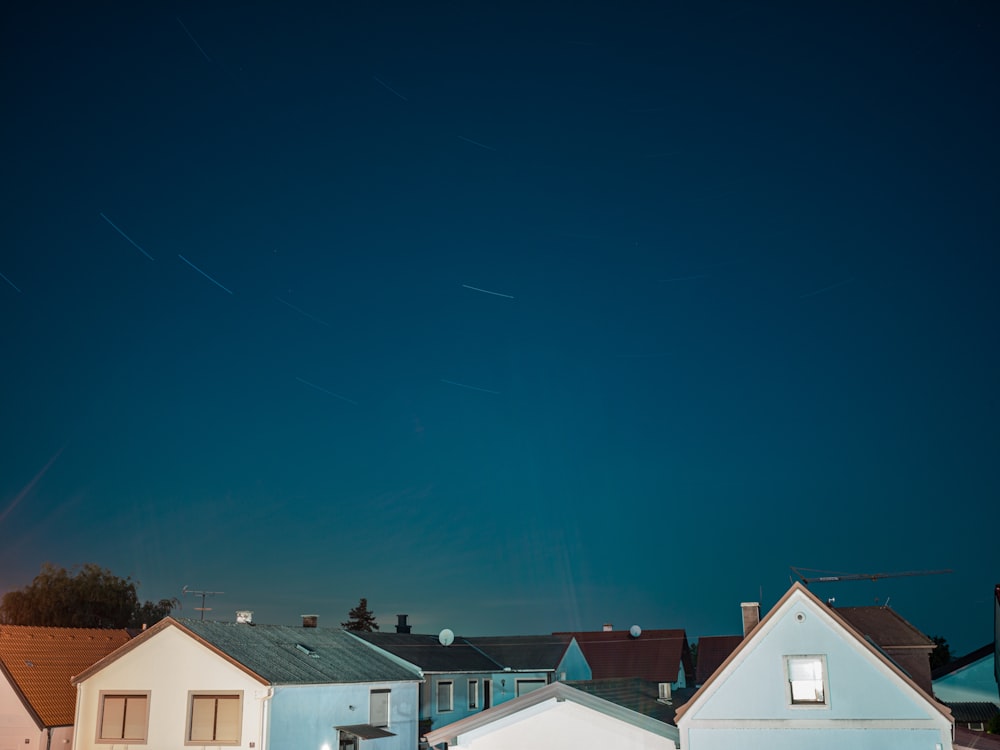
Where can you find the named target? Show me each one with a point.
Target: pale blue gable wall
(304, 716)
(974, 682)
(574, 664)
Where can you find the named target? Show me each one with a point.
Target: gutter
(265, 714)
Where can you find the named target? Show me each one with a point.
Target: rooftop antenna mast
(830, 577)
(203, 594)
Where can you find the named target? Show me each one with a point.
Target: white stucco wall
(16, 724)
(168, 665)
(565, 725)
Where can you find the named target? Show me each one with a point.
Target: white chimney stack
(751, 616)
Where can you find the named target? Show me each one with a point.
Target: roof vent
(310, 621)
(665, 694)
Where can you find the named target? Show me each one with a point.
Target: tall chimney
(401, 626)
(751, 616)
(310, 621)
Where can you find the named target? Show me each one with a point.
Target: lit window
(215, 718)
(807, 680)
(123, 717)
(473, 693)
(378, 711)
(445, 694)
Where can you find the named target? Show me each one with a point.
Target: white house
(213, 684)
(805, 679)
(556, 717)
(36, 699)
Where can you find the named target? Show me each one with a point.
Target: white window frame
(372, 718)
(198, 695)
(823, 680)
(473, 693)
(125, 695)
(451, 696)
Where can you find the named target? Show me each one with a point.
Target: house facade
(37, 701)
(470, 675)
(186, 683)
(556, 716)
(805, 678)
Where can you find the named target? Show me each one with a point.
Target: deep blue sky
(739, 311)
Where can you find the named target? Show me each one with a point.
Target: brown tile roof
(655, 655)
(884, 626)
(971, 740)
(712, 651)
(39, 662)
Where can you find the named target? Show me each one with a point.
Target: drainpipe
(48, 738)
(265, 702)
(76, 715)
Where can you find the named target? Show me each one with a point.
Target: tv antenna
(203, 594)
(830, 577)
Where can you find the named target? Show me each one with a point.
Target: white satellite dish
(635, 631)
(446, 637)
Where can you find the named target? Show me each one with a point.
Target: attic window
(306, 650)
(807, 680)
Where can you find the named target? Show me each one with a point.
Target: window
(445, 692)
(807, 680)
(123, 717)
(473, 693)
(378, 710)
(215, 718)
(526, 686)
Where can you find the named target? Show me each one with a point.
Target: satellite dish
(446, 637)
(635, 631)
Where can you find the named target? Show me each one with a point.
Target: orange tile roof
(41, 661)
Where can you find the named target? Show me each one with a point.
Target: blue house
(805, 678)
(185, 683)
(469, 675)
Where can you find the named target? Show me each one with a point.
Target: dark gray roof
(637, 694)
(525, 652)
(972, 712)
(286, 655)
(426, 652)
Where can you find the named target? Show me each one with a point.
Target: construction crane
(834, 577)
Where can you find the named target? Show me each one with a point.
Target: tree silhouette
(360, 619)
(93, 597)
(942, 654)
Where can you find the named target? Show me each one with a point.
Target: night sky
(513, 319)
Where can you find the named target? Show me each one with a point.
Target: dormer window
(806, 680)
